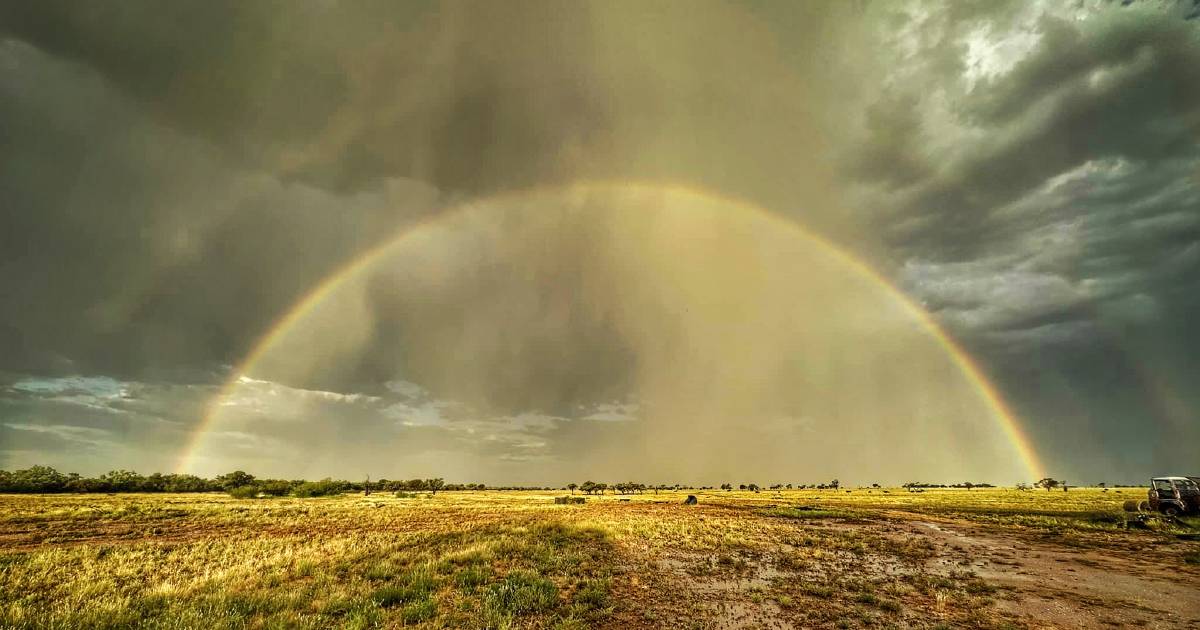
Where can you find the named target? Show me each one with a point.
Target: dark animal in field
(568, 500)
(691, 500)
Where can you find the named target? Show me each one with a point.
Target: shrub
(274, 487)
(322, 488)
(244, 492)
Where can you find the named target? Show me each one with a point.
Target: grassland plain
(987, 558)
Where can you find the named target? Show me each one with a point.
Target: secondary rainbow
(1005, 417)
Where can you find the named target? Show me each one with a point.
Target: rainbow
(1005, 417)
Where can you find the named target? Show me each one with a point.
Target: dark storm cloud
(186, 174)
(175, 178)
(1056, 228)
(1120, 84)
(130, 248)
(346, 96)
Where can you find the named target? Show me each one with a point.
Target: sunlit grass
(487, 559)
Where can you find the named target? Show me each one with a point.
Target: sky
(685, 242)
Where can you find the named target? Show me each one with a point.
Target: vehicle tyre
(1170, 510)
(1144, 506)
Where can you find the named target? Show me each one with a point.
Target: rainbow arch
(1005, 417)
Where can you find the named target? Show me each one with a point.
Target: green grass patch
(473, 577)
(594, 594)
(811, 513)
(521, 593)
(414, 586)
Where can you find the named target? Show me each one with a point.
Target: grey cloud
(1055, 232)
(93, 424)
(1135, 97)
(183, 176)
(130, 249)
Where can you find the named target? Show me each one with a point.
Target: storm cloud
(174, 179)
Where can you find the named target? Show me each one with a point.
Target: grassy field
(796, 558)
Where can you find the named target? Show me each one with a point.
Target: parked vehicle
(1175, 495)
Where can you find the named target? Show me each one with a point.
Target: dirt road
(918, 571)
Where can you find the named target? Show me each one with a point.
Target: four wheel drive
(1175, 495)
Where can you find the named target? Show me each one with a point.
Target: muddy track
(1070, 587)
(1039, 584)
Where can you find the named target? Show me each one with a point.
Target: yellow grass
(512, 559)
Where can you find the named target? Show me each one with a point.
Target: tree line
(47, 480)
(44, 479)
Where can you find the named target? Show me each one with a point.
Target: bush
(322, 488)
(274, 487)
(244, 492)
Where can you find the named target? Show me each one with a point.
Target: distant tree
(571, 486)
(122, 480)
(753, 487)
(741, 486)
(1047, 483)
(187, 483)
(435, 484)
(235, 479)
(727, 486)
(75, 483)
(789, 486)
(35, 479)
(154, 483)
(968, 485)
(835, 484)
(874, 485)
